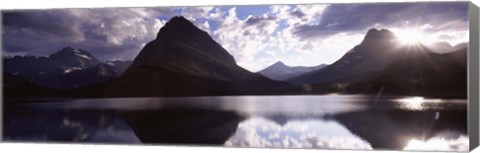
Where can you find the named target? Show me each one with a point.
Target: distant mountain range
(281, 72)
(66, 69)
(445, 47)
(183, 60)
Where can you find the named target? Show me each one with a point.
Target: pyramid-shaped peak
(178, 19)
(179, 22)
(279, 63)
(179, 25)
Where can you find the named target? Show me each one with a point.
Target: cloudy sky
(256, 36)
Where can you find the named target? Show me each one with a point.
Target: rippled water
(330, 121)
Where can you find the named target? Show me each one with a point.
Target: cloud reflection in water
(439, 144)
(308, 133)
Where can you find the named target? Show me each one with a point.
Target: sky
(257, 36)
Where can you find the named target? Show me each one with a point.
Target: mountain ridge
(282, 72)
(67, 68)
(378, 49)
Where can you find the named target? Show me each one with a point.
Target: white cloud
(259, 132)
(439, 144)
(123, 26)
(241, 40)
(247, 42)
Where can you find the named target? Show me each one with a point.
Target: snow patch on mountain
(71, 69)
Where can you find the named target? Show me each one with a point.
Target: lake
(323, 122)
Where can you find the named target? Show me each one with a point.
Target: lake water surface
(325, 122)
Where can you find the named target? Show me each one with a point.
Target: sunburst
(412, 36)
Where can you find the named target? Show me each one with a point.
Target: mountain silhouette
(184, 60)
(66, 69)
(378, 49)
(430, 74)
(281, 72)
(380, 64)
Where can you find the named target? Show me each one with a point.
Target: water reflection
(394, 129)
(252, 105)
(65, 126)
(333, 121)
(416, 103)
(191, 126)
(439, 144)
(307, 133)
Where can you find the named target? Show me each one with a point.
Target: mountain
(70, 57)
(381, 64)
(66, 69)
(430, 74)
(445, 47)
(378, 49)
(281, 72)
(184, 60)
(425, 74)
(460, 46)
(119, 66)
(441, 47)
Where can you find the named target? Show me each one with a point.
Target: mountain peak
(178, 19)
(179, 40)
(71, 50)
(279, 63)
(280, 71)
(178, 25)
(68, 48)
(382, 33)
(375, 35)
(179, 22)
(70, 53)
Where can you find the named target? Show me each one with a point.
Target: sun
(413, 103)
(412, 36)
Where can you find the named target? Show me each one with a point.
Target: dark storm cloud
(41, 25)
(41, 21)
(297, 13)
(107, 32)
(360, 17)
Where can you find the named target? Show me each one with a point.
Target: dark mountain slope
(429, 74)
(378, 49)
(422, 74)
(184, 60)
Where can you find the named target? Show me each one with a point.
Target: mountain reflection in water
(335, 122)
